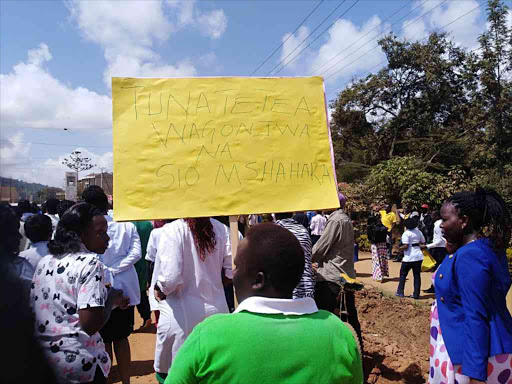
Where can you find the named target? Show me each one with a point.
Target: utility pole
(101, 178)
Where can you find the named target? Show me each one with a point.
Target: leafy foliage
(436, 120)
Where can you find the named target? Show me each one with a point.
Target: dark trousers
(143, 308)
(416, 271)
(314, 239)
(326, 297)
(438, 254)
(98, 377)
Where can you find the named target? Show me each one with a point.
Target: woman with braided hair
(192, 253)
(475, 344)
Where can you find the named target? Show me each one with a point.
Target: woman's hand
(117, 296)
(159, 295)
(125, 302)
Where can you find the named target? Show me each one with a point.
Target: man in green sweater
(270, 338)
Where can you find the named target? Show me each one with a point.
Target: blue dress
(471, 288)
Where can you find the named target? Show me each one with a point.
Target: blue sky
(57, 58)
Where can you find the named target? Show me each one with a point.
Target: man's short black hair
(63, 206)
(275, 251)
(284, 215)
(38, 228)
(24, 206)
(412, 222)
(51, 205)
(96, 196)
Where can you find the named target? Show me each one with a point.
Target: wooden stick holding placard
(233, 235)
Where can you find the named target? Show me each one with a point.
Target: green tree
(494, 98)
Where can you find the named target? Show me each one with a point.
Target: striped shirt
(306, 286)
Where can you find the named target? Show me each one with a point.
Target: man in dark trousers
(334, 253)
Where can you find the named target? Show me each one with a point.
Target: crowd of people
(75, 277)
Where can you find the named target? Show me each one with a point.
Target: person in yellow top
(388, 218)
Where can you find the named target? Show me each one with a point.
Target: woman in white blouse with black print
(70, 300)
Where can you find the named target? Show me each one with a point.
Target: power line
(318, 26)
(316, 38)
(60, 129)
(290, 35)
(57, 145)
(377, 46)
(366, 34)
(426, 37)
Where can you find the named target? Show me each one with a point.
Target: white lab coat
(123, 251)
(151, 252)
(193, 287)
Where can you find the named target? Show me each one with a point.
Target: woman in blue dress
(471, 328)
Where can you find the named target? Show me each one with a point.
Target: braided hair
(204, 235)
(487, 213)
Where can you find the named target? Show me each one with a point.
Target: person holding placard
(271, 338)
(192, 253)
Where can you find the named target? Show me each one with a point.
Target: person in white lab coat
(51, 207)
(151, 252)
(192, 253)
(38, 229)
(124, 250)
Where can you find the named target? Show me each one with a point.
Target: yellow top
(388, 219)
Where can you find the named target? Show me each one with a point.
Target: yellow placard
(201, 147)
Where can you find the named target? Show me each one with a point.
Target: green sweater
(252, 348)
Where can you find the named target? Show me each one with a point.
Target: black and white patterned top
(61, 286)
(306, 286)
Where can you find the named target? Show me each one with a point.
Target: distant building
(71, 186)
(8, 194)
(104, 179)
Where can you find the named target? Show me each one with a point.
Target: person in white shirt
(38, 229)
(317, 226)
(151, 253)
(413, 242)
(189, 286)
(51, 208)
(123, 251)
(437, 247)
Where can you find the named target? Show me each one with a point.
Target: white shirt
(151, 252)
(317, 225)
(35, 253)
(438, 241)
(123, 252)
(193, 287)
(413, 236)
(61, 286)
(55, 221)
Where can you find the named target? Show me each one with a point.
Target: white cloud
(214, 23)
(464, 31)
(350, 42)
(290, 45)
(38, 100)
(16, 161)
(129, 30)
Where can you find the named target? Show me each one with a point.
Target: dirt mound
(395, 336)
